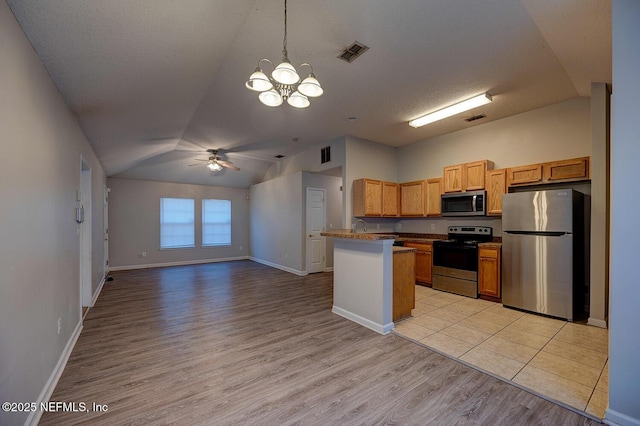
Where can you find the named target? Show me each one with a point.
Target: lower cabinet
(424, 262)
(489, 284)
(404, 287)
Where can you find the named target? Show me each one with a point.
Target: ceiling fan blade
(197, 164)
(228, 165)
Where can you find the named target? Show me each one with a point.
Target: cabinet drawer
(420, 246)
(491, 253)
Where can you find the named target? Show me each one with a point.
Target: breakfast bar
(363, 278)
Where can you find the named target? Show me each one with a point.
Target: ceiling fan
(215, 163)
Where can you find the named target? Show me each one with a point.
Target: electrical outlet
(399, 226)
(240, 248)
(433, 226)
(144, 254)
(59, 325)
(378, 225)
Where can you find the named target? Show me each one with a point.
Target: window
(216, 223)
(177, 222)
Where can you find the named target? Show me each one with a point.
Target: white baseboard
(329, 269)
(181, 263)
(50, 386)
(379, 328)
(98, 290)
(283, 268)
(613, 417)
(597, 322)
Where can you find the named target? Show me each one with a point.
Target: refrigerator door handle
(539, 233)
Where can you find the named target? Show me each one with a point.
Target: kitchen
(436, 225)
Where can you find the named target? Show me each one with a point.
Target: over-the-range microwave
(471, 203)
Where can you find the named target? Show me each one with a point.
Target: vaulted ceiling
(156, 82)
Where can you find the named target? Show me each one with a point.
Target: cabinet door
(453, 178)
(474, 175)
(390, 199)
(367, 197)
(567, 170)
(496, 187)
(403, 285)
(489, 272)
(424, 262)
(412, 198)
(524, 175)
(434, 191)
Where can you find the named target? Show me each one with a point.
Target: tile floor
(566, 362)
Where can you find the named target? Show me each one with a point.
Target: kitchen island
(363, 278)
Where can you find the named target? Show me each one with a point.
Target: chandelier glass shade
(214, 166)
(284, 82)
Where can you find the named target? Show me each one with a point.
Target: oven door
(455, 256)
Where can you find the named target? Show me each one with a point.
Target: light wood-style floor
(241, 343)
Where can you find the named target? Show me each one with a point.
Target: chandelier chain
(284, 43)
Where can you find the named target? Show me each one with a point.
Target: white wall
(276, 220)
(39, 245)
(624, 350)
(134, 222)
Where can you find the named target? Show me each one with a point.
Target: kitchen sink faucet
(364, 226)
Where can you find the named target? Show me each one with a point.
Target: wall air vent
(325, 154)
(352, 52)
(474, 118)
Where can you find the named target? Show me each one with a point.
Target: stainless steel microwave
(472, 203)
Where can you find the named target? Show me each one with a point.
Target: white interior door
(316, 212)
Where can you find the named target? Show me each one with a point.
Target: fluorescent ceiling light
(463, 106)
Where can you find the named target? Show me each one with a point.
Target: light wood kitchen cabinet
(496, 187)
(412, 198)
(424, 262)
(524, 175)
(489, 272)
(453, 178)
(367, 197)
(404, 289)
(474, 175)
(466, 177)
(434, 191)
(566, 170)
(390, 199)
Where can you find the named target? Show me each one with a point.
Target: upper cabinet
(390, 199)
(452, 176)
(574, 169)
(413, 198)
(434, 191)
(375, 198)
(367, 197)
(466, 177)
(496, 186)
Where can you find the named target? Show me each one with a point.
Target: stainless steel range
(455, 261)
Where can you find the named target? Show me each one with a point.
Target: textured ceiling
(154, 81)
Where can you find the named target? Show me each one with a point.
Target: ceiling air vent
(474, 118)
(279, 156)
(352, 52)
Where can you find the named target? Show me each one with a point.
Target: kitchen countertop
(490, 245)
(348, 233)
(397, 249)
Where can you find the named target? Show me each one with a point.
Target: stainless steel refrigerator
(543, 252)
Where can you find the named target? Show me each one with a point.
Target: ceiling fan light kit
(451, 110)
(284, 83)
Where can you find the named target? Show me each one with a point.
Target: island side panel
(363, 282)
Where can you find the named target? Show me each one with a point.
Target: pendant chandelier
(284, 83)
